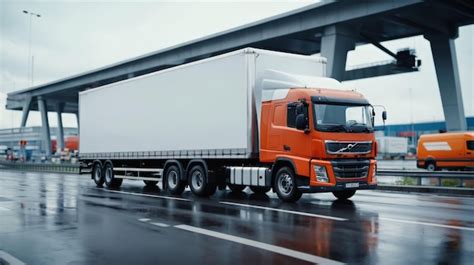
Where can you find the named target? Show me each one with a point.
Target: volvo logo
(347, 148)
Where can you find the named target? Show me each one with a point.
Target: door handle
(286, 147)
(468, 153)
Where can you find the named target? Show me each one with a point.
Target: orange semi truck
(256, 118)
(446, 151)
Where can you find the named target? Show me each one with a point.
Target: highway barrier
(41, 167)
(446, 182)
(439, 175)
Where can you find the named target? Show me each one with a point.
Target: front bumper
(342, 181)
(363, 185)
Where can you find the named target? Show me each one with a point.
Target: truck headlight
(321, 173)
(374, 174)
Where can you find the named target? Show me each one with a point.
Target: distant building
(10, 139)
(413, 131)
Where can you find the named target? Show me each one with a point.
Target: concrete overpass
(331, 28)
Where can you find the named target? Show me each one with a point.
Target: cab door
(296, 142)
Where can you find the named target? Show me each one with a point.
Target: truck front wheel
(174, 184)
(97, 175)
(285, 185)
(344, 194)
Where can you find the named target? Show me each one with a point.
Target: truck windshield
(342, 118)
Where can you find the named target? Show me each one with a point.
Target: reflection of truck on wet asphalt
(256, 118)
(446, 151)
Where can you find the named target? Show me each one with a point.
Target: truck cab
(325, 136)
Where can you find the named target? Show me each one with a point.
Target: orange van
(446, 150)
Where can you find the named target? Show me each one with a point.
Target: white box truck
(256, 118)
(392, 146)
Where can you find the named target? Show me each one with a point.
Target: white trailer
(206, 109)
(202, 114)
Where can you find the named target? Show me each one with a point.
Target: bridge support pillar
(46, 136)
(335, 43)
(60, 139)
(26, 111)
(444, 56)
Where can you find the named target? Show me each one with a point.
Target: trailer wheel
(344, 194)
(285, 185)
(198, 181)
(97, 175)
(110, 180)
(236, 188)
(173, 181)
(150, 183)
(260, 190)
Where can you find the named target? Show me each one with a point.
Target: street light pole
(30, 55)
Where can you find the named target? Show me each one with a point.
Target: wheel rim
(172, 179)
(431, 167)
(285, 184)
(197, 179)
(97, 172)
(108, 174)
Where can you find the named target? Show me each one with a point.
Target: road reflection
(450, 249)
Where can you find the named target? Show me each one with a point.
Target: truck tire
(109, 177)
(431, 166)
(97, 175)
(150, 183)
(173, 181)
(197, 180)
(236, 188)
(285, 185)
(260, 190)
(344, 194)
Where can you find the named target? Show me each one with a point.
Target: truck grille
(350, 168)
(335, 147)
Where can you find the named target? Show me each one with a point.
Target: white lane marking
(427, 224)
(145, 195)
(4, 209)
(159, 224)
(144, 219)
(286, 211)
(256, 244)
(9, 259)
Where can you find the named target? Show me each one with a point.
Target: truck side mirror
(384, 115)
(300, 122)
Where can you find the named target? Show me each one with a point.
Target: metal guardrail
(46, 167)
(439, 175)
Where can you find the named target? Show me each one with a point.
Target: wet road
(63, 219)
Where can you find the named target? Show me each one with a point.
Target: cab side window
(295, 108)
(291, 115)
(470, 145)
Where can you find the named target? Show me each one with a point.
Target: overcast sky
(76, 36)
